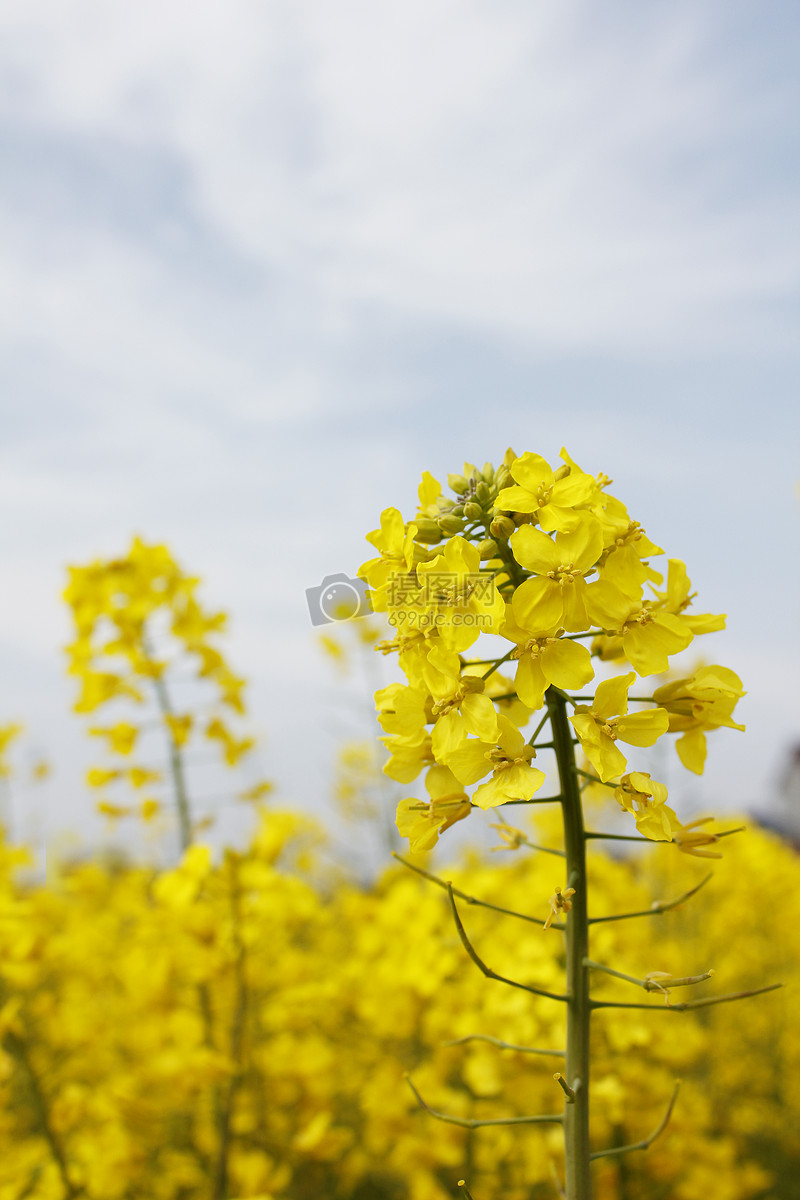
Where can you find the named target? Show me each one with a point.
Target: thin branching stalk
(481, 965)
(657, 983)
(683, 1005)
(658, 906)
(507, 912)
(501, 1045)
(647, 1142)
(477, 1123)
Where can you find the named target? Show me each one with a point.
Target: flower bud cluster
(471, 508)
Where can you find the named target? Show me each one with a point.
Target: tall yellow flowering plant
(543, 566)
(140, 630)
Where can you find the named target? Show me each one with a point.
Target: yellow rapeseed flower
(637, 793)
(422, 821)
(606, 721)
(560, 902)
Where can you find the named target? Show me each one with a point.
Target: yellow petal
(607, 758)
(643, 728)
(611, 696)
(608, 607)
(530, 682)
(469, 762)
(532, 471)
(534, 550)
(516, 499)
(692, 749)
(648, 647)
(657, 823)
(577, 488)
(583, 546)
(449, 732)
(538, 605)
(567, 664)
(480, 717)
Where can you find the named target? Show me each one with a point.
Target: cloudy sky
(263, 263)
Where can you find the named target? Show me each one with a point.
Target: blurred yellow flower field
(238, 1030)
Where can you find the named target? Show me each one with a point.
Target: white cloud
(494, 168)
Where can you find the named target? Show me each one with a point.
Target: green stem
(539, 728)
(225, 1112)
(595, 778)
(619, 837)
(175, 765)
(578, 1184)
(501, 1045)
(498, 662)
(543, 849)
(15, 1046)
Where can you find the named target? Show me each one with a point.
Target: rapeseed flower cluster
(544, 567)
(141, 633)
